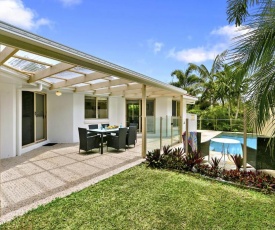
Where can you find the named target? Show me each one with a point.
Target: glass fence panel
(163, 131)
(153, 133)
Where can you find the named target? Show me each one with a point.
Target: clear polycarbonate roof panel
(24, 65)
(79, 85)
(35, 57)
(68, 75)
(111, 78)
(2, 47)
(52, 80)
(82, 70)
(97, 81)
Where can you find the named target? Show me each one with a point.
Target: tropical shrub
(238, 160)
(215, 162)
(172, 158)
(206, 170)
(192, 159)
(176, 159)
(153, 158)
(248, 178)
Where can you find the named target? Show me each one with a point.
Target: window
(96, 107)
(175, 108)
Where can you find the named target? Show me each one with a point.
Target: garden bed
(176, 159)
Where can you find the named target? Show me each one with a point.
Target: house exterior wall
(7, 120)
(117, 111)
(60, 121)
(78, 115)
(192, 122)
(64, 115)
(164, 110)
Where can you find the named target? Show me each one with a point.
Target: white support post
(181, 118)
(244, 140)
(186, 136)
(160, 134)
(144, 124)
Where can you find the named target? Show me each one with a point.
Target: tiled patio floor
(41, 175)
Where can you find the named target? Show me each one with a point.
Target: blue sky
(152, 37)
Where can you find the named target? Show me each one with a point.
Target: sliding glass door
(33, 117)
(133, 114)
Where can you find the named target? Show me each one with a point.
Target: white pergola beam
(58, 68)
(99, 85)
(118, 89)
(78, 80)
(6, 54)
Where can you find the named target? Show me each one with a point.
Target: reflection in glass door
(40, 117)
(133, 112)
(33, 117)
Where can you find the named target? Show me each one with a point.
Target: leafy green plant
(153, 158)
(238, 160)
(248, 178)
(191, 159)
(215, 162)
(205, 169)
(172, 158)
(175, 158)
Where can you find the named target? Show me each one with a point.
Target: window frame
(97, 99)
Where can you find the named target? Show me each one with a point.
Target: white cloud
(194, 55)
(155, 46)
(14, 12)
(220, 40)
(229, 31)
(158, 46)
(70, 2)
(198, 54)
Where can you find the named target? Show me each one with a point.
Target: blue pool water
(233, 148)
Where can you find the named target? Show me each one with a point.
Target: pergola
(60, 68)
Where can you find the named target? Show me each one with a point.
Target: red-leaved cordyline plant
(238, 160)
(215, 162)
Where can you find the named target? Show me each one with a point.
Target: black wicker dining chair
(87, 142)
(119, 141)
(131, 137)
(94, 126)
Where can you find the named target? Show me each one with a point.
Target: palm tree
(186, 80)
(230, 85)
(256, 51)
(208, 77)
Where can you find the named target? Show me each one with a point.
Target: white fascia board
(190, 98)
(15, 37)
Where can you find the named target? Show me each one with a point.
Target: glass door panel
(33, 117)
(40, 117)
(27, 117)
(133, 112)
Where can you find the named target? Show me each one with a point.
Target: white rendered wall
(7, 120)
(78, 115)
(117, 111)
(164, 110)
(60, 117)
(184, 116)
(192, 122)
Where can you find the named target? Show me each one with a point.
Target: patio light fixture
(58, 93)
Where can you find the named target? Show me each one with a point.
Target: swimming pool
(233, 148)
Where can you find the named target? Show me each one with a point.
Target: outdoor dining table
(225, 141)
(102, 132)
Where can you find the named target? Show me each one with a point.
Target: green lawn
(143, 198)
